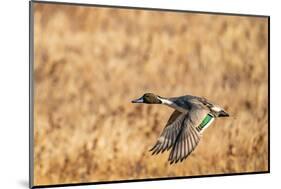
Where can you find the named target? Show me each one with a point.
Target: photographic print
(127, 94)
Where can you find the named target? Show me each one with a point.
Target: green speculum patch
(206, 120)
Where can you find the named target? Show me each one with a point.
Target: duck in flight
(185, 126)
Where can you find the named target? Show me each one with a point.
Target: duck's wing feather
(207, 103)
(170, 133)
(189, 136)
(185, 144)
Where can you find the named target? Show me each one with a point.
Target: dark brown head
(148, 98)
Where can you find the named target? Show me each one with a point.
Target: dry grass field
(91, 62)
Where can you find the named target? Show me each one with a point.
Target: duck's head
(148, 98)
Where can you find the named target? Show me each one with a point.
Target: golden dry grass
(91, 62)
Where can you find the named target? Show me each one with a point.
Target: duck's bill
(139, 100)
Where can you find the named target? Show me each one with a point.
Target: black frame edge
(149, 179)
(31, 133)
(147, 8)
(268, 80)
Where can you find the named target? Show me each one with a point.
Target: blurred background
(91, 62)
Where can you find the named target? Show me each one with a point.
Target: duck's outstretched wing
(188, 137)
(170, 133)
(181, 134)
(185, 144)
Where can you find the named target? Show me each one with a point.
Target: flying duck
(185, 126)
